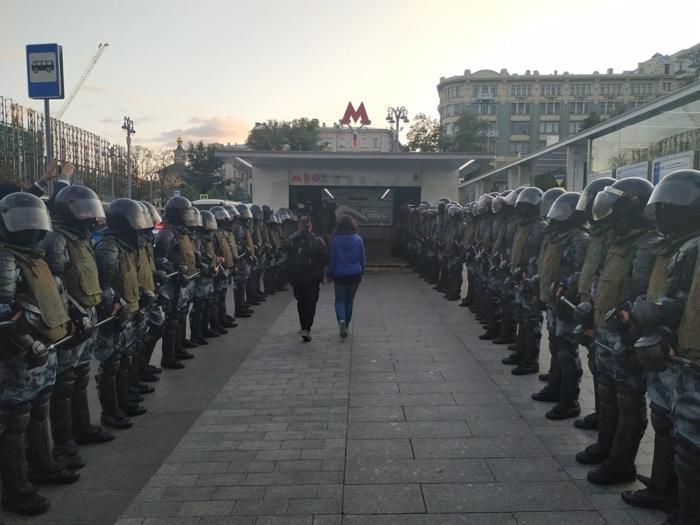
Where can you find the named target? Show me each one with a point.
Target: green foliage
(470, 134)
(300, 134)
(202, 172)
(424, 134)
(591, 120)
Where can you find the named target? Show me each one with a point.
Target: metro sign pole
(351, 114)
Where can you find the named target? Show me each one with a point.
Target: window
(492, 130)
(550, 108)
(484, 108)
(484, 90)
(575, 127)
(449, 128)
(579, 108)
(549, 128)
(521, 90)
(453, 91)
(666, 86)
(641, 88)
(520, 108)
(550, 89)
(519, 146)
(520, 128)
(610, 88)
(579, 90)
(609, 107)
(667, 69)
(375, 142)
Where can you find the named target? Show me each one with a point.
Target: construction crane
(100, 49)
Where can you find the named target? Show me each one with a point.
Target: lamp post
(396, 116)
(109, 153)
(128, 126)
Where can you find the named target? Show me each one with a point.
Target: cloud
(213, 129)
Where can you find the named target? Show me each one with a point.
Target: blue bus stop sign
(45, 71)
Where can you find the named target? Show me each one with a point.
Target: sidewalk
(411, 420)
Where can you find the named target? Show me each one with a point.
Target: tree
(470, 134)
(202, 171)
(591, 120)
(300, 134)
(424, 134)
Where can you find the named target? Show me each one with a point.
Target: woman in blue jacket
(345, 267)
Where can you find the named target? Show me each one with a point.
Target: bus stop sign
(45, 71)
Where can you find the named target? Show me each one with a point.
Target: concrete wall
(436, 185)
(271, 186)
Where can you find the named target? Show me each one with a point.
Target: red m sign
(355, 115)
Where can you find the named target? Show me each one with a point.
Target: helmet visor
(529, 196)
(561, 210)
(189, 216)
(23, 218)
(604, 202)
(84, 209)
(674, 190)
(584, 200)
(138, 220)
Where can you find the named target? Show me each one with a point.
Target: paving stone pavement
(412, 420)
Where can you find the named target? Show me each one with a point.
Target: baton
(188, 277)
(567, 303)
(72, 336)
(603, 346)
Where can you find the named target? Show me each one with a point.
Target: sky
(210, 69)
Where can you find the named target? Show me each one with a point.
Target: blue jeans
(344, 297)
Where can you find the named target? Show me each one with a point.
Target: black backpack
(300, 264)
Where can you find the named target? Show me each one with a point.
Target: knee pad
(111, 365)
(63, 388)
(82, 376)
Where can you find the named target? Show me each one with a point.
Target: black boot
(84, 432)
(135, 384)
(170, 343)
(531, 347)
(661, 492)
(214, 323)
(112, 416)
(620, 467)
(590, 422)
(180, 352)
(608, 416)
(551, 392)
(65, 449)
(196, 333)
(43, 468)
(19, 495)
(571, 372)
(225, 320)
(130, 408)
(688, 471)
(508, 334)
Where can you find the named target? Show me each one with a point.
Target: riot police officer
(34, 316)
(588, 284)
(175, 254)
(224, 247)
(116, 255)
(248, 261)
(68, 252)
(623, 281)
(668, 350)
(453, 237)
(561, 259)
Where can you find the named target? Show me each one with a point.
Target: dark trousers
(307, 297)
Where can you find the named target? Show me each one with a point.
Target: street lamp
(109, 153)
(396, 116)
(128, 126)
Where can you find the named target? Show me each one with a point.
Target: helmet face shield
(604, 203)
(190, 217)
(529, 196)
(23, 211)
(564, 207)
(146, 216)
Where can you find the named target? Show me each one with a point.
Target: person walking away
(346, 266)
(307, 259)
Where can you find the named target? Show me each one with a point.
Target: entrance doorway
(374, 209)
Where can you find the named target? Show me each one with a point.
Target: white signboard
(353, 178)
(599, 174)
(665, 165)
(640, 169)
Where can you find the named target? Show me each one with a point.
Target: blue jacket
(347, 256)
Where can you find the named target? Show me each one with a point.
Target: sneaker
(305, 336)
(343, 327)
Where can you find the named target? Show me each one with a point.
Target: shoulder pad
(54, 245)
(8, 277)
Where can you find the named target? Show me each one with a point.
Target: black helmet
(125, 216)
(244, 211)
(24, 219)
(585, 201)
(209, 221)
(283, 214)
(563, 212)
(528, 202)
(78, 206)
(221, 215)
(484, 204)
(256, 211)
(232, 211)
(548, 198)
(155, 215)
(499, 202)
(675, 202)
(512, 196)
(627, 197)
(177, 210)
(267, 213)
(454, 211)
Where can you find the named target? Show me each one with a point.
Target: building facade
(340, 139)
(528, 112)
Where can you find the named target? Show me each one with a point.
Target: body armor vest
(187, 252)
(615, 283)
(689, 329)
(249, 244)
(43, 293)
(146, 268)
(127, 282)
(224, 248)
(231, 238)
(519, 241)
(551, 267)
(81, 275)
(595, 255)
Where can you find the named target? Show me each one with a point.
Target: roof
(353, 160)
(678, 98)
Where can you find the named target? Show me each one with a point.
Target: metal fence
(99, 164)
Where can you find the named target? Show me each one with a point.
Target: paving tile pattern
(411, 420)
